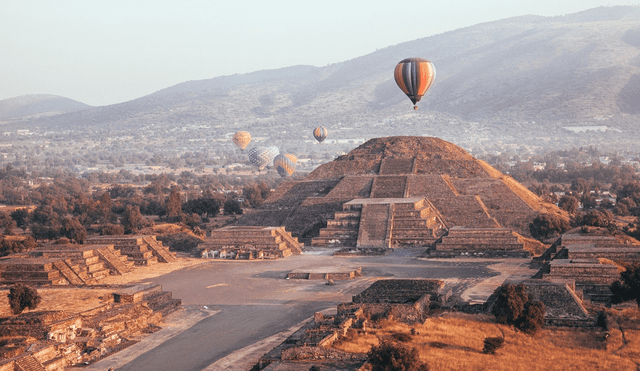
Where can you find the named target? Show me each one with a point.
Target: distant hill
(39, 105)
(577, 69)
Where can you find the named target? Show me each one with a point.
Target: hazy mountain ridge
(579, 68)
(39, 104)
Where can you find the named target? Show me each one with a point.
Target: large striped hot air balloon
(320, 133)
(259, 157)
(285, 164)
(241, 139)
(414, 76)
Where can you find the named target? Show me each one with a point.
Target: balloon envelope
(414, 76)
(320, 133)
(285, 164)
(259, 157)
(241, 139)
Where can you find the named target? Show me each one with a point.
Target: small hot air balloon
(241, 139)
(320, 133)
(285, 164)
(414, 76)
(259, 157)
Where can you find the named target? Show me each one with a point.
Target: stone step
(480, 247)
(327, 241)
(115, 261)
(347, 223)
(163, 254)
(435, 253)
(338, 233)
(144, 261)
(38, 275)
(446, 240)
(413, 232)
(480, 233)
(412, 241)
(29, 363)
(409, 223)
(69, 273)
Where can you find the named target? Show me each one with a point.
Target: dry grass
(455, 342)
(72, 300)
(611, 262)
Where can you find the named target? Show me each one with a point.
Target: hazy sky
(102, 52)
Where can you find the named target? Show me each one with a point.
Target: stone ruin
(587, 261)
(54, 340)
(250, 243)
(406, 191)
(86, 264)
(406, 300)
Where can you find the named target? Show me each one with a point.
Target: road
(255, 300)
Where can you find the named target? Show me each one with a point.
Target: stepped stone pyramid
(30, 271)
(140, 249)
(402, 191)
(251, 243)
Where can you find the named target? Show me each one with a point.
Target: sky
(102, 52)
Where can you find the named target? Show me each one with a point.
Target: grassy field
(454, 341)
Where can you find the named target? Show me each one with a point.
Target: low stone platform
(247, 242)
(590, 276)
(479, 242)
(141, 249)
(30, 271)
(325, 273)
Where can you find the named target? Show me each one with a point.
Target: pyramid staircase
(479, 242)
(342, 230)
(136, 248)
(30, 272)
(79, 264)
(28, 363)
(246, 242)
(415, 224)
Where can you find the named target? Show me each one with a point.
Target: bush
(492, 344)
(532, 317)
(513, 307)
(22, 297)
(395, 357)
(627, 288)
(112, 230)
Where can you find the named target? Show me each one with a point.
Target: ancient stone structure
(479, 242)
(30, 271)
(140, 249)
(250, 243)
(328, 273)
(68, 339)
(404, 191)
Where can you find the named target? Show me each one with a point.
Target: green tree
(627, 288)
(569, 204)
(22, 297)
(544, 225)
(132, 221)
(173, 203)
(389, 356)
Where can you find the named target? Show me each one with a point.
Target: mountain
(521, 80)
(38, 105)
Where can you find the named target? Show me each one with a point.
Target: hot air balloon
(259, 157)
(241, 139)
(414, 76)
(285, 164)
(320, 133)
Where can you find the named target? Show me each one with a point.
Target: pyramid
(399, 191)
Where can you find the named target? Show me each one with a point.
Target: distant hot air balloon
(285, 164)
(241, 139)
(272, 151)
(414, 76)
(320, 133)
(259, 157)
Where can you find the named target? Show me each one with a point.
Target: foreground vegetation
(455, 341)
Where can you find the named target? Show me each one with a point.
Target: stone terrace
(141, 249)
(30, 271)
(251, 243)
(479, 242)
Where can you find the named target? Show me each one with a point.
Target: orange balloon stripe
(400, 78)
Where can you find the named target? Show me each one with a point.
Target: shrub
(395, 357)
(492, 344)
(532, 317)
(112, 230)
(22, 297)
(627, 288)
(402, 337)
(544, 225)
(513, 307)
